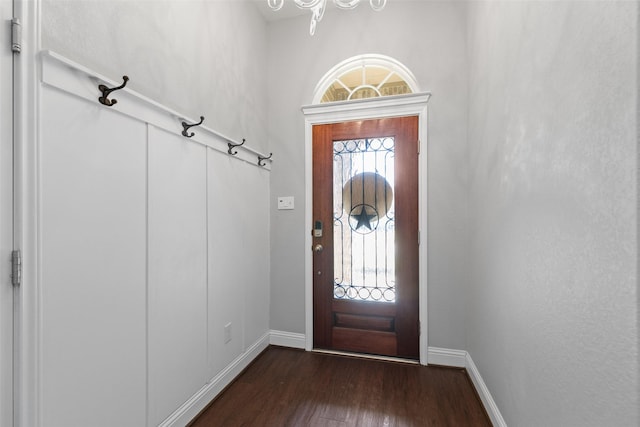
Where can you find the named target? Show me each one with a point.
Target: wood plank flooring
(288, 387)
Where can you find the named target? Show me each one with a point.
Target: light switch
(285, 203)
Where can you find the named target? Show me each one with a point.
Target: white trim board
(436, 356)
(78, 80)
(287, 339)
(447, 357)
(462, 359)
(192, 407)
(487, 400)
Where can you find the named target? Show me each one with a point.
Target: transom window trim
(393, 70)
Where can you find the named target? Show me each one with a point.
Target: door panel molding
(373, 108)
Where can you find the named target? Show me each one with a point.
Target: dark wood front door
(365, 212)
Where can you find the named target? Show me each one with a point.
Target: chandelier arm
(308, 4)
(318, 7)
(316, 15)
(377, 5)
(346, 4)
(275, 5)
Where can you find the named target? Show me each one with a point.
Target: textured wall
(198, 57)
(427, 37)
(552, 298)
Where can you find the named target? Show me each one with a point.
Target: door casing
(6, 216)
(26, 123)
(372, 108)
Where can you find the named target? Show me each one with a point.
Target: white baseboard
(192, 407)
(446, 357)
(435, 356)
(489, 404)
(287, 339)
(462, 359)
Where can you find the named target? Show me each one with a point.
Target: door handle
(318, 248)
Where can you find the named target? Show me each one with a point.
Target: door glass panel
(363, 215)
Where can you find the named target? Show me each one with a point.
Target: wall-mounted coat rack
(232, 145)
(56, 73)
(261, 160)
(106, 91)
(185, 127)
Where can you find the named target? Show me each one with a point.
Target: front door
(365, 237)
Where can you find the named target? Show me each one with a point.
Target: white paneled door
(6, 218)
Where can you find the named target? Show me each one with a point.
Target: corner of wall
(462, 359)
(487, 400)
(287, 339)
(192, 407)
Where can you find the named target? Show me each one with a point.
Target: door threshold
(366, 356)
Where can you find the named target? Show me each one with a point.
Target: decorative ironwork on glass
(367, 197)
(364, 224)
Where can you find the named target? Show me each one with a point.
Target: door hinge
(16, 268)
(16, 35)
(419, 146)
(419, 237)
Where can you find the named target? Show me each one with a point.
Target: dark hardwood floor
(287, 387)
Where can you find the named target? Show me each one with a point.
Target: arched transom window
(365, 76)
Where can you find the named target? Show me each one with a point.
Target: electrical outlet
(227, 333)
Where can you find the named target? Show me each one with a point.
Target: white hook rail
(69, 76)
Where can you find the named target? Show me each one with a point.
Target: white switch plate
(285, 203)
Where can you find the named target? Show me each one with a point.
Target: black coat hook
(106, 91)
(186, 126)
(262, 159)
(231, 145)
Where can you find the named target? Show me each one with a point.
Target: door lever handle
(318, 248)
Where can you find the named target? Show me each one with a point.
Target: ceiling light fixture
(317, 7)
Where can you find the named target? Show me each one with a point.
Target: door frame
(6, 217)
(372, 108)
(26, 128)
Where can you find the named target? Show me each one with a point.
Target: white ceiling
(289, 10)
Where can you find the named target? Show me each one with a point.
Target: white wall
(538, 279)
(552, 297)
(135, 283)
(198, 57)
(92, 217)
(149, 243)
(427, 37)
